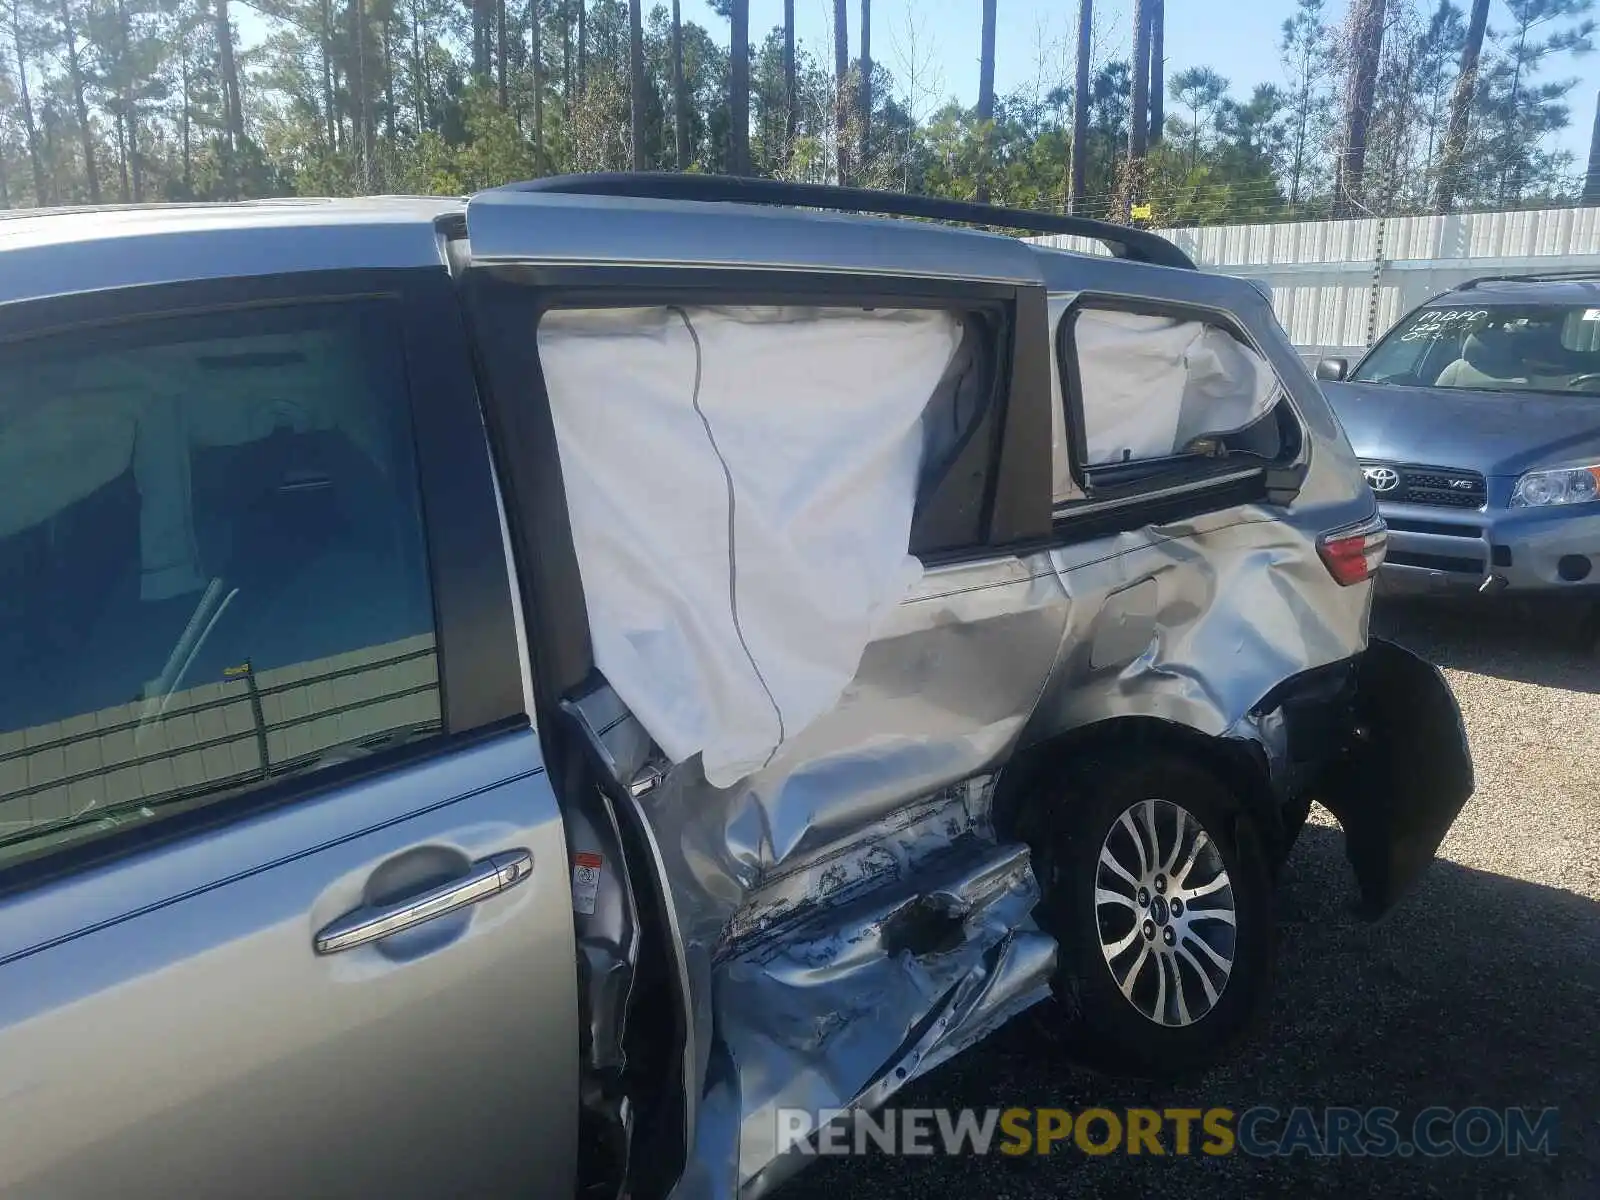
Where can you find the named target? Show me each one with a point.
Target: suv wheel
(1158, 890)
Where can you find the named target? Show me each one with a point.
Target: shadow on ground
(1523, 641)
(1477, 990)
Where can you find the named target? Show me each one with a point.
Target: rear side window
(1150, 394)
(212, 564)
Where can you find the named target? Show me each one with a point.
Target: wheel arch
(1239, 764)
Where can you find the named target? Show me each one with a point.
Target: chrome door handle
(488, 877)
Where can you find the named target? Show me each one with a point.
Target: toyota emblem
(1382, 479)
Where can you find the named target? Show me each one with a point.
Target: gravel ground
(1482, 988)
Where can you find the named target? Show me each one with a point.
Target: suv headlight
(1537, 489)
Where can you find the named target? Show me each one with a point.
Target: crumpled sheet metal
(914, 944)
(1194, 623)
(825, 841)
(785, 886)
(976, 958)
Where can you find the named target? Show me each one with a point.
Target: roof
(508, 225)
(557, 221)
(52, 252)
(1124, 241)
(1574, 288)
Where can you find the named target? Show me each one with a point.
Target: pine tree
(1364, 49)
(1461, 103)
(986, 101)
(1078, 167)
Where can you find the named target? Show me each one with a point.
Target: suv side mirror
(1332, 368)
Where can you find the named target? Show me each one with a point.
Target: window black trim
(480, 676)
(1163, 494)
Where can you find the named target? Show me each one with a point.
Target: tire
(1144, 1033)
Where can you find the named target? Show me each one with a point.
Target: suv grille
(1439, 486)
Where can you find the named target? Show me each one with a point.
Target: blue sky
(1239, 38)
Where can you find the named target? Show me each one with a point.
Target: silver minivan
(508, 697)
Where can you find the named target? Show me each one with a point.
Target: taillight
(1353, 554)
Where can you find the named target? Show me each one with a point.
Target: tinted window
(1492, 347)
(212, 569)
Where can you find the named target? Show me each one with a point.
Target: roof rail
(1533, 277)
(1137, 245)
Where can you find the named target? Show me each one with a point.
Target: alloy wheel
(1165, 910)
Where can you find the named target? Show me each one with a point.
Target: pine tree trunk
(1366, 48)
(536, 51)
(80, 105)
(680, 102)
(791, 102)
(419, 70)
(234, 98)
(1158, 69)
(482, 39)
(739, 88)
(122, 111)
(841, 96)
(363, 100)
(583, 47)
(388, 79)
(636, 80)
(1298, 163)
(130, 115)
(1455, 138)
(500, 52)
(566, 63)
(185, 132)
(1591, 178)
(41, 194)
(1510, 181)
(866, 81)
(122, 157)
(1078, 153)
(986, 100)
(327, 74)
(1139, 84)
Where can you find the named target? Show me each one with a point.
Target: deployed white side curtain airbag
(740, 483)
(1151, 385)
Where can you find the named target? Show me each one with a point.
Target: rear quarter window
(1153, 395)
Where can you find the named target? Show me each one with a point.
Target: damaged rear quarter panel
(850, 913)
(794, 888)
(1193, 623)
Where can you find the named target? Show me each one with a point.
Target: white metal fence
(1337, 285)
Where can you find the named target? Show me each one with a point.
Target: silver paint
(544, 227)
(844, 919)
(63, 253)
(180, 1038)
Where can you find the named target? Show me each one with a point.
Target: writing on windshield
(1491, 348)
(1432, 322)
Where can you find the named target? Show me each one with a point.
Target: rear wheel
(1157, 887)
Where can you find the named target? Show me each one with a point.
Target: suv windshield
(1492, 347)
